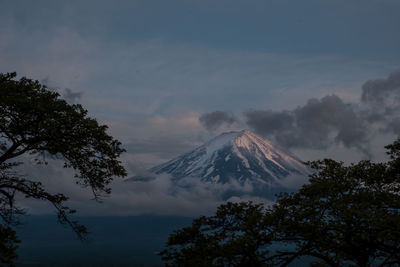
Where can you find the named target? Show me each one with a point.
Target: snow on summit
(241, 156)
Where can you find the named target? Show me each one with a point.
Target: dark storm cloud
(71, 96)
(319, 119)
(382, 91)
(382, 98)
(213, 120)
(318, 124)
(270, 122)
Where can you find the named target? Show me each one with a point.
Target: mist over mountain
(251, 164)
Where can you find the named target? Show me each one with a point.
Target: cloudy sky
(319, 77)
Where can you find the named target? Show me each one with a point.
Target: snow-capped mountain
(240, 156)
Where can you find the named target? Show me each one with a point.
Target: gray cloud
(270, 122)
(163, 196)
(382, 91)
(382, 99)
(320, 120)
(323, 122)
(71, 96)
(318, 124)
(160, 195)
(213, 120)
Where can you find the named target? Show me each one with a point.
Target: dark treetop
(35, 121)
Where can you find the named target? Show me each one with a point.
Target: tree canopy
(344, 216)
(35, 121)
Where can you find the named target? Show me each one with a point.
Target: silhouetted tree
(35, 121)
(236, 236)
(344, 216)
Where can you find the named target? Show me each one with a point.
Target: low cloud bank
(159, 195)
(163, 196)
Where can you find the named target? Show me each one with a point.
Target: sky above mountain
(318, 77)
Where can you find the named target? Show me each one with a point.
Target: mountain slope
(241, 156)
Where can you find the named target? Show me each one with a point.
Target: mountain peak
(246, 138)
(241, 139)
(240, 155)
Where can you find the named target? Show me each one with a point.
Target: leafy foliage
(35, 121)
(234, 236)
(8, 247)
(344, 216)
